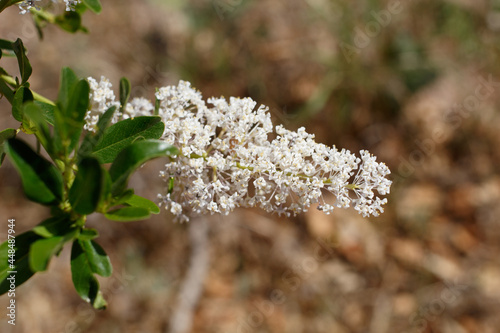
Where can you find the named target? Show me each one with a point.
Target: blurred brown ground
(429, 264)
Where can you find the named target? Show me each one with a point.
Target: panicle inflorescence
(227, 159)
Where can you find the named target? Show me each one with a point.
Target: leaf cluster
(84, 174)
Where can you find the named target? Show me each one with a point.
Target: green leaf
(123, 133)
(99, 302)
(70, 21)
(138, 201)
(34, 117)
(6, 3)
(5, 90)
(119, 199)
(87, 258)
(47, 111)
(42, 251)
(88, 234)
(134, 156)
(105, 191)
(128, 214)
(70, 113)
(6, 46)
(67, 82)
(85, 283)
(75, 113)
(124, 92)
(98, 259)
(91, 140)
(81, 8)
(79, 101)
(24, 64)
(54, 226)
(42, 181)
(21, 265)
(93, 5)
(22, 95)
(85, 192)
(124, 196)
(60, 140)
(4, 135)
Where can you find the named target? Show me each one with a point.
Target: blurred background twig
(191, 289)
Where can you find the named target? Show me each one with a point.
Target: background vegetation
(429, 264)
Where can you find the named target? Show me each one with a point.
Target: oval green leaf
(91, 139)
(53, 226)
(93, 5)
(78, 103)
(70, 21)
(21, 265)
(22, 95)
(138, 201)
(75, 112)
(33, 115)
(85, 192)
(5, 90)
(85, 283)
(134, 156)
(88, 234)
(67, 82)
(123, 133)
(42, 181)
(128, 214)
(4, 135)
(24, 64)
(98, 260)
(47, 111)
(124, 196)
(42, 251)
(6, 45)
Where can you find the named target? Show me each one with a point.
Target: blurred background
(415, 82)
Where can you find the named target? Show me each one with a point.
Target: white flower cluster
(102, 97)
(25, 5)
(227, 160)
